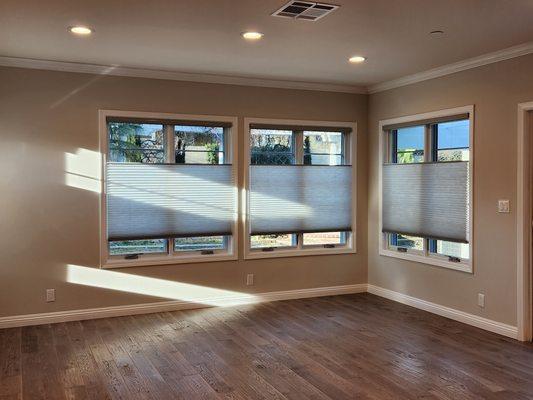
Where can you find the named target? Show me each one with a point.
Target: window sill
(150, 261)
(252, 255)
(460, 266)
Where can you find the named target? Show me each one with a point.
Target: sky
(451, 134)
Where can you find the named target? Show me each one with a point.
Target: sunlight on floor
(137, 284)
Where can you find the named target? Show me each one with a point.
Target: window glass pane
(410, 144)
(261, 241)
(199, 144)
(271, 146)
(125, 247)
(409, 242)
(199, 243)
(453, 141)
(320, 238)
(323, 148)
(132, 142)
(461, 250)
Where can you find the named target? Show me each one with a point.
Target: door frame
(524, 222)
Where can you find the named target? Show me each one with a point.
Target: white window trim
(350, 157)
(172, 257)
(419, 256)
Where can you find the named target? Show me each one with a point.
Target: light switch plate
(503, 206)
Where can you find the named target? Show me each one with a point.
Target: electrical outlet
(503, 206)
(50, 295)
(481, 299)
(249, 279)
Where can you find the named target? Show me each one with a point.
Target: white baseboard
(146, 308)
(470, 319)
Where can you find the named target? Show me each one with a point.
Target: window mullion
(169, 158)
(169, 144)
(298, 139)
(428, 152)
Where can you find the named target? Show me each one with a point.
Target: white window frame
(350, 158)
(171, 257)
(425, 256)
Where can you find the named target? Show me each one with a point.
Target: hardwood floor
(341, 347)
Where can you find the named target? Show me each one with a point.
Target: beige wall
(495, 90)
(47, 225)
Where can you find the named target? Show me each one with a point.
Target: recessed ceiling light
(252, 35)
(80, 30)
(436, 33)
(357, 59)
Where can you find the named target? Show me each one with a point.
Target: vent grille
(305, 10)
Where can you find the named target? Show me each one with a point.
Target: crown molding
(116, 70)
(485, 59)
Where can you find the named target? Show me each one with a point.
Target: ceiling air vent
(306, 10)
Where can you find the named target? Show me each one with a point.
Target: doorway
(525, 221)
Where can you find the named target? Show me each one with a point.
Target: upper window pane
(271, 147)
(199, 144)
(409, 145)
(453, 141)
(132, 142)
(323, 148)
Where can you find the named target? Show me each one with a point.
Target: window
(170, 192)
(438, 189)
(292, 167)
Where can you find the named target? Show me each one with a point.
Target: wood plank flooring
(340, 347)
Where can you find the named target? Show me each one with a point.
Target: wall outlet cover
(249, 279)
(50, 295)
(481, 300)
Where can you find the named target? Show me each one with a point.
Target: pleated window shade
(300, 198)
(169, 200)
(429, 200)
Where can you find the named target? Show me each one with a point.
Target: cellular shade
(300, 198)
(428, 200)
(169, 200)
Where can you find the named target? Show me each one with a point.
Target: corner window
(426, 209)
(292, 171)
(170, 193)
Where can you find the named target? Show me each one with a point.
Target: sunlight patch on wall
(143, 285)
(83, 170)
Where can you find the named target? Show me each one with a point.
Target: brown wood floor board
(330, 348)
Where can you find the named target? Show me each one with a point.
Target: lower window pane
(409, 242)
(199, 243)
(262, 241)
(321, 238)
(452, 249)
(125, 247)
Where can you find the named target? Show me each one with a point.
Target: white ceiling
(203, 36)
